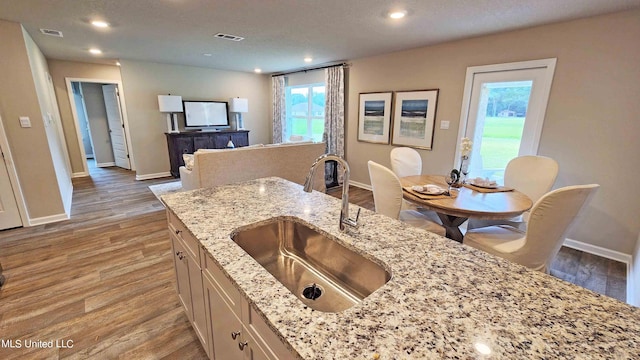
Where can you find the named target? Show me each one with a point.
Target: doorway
(12, 210)
(101, 123)
(503, 113)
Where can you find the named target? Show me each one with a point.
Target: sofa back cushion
(291, 162)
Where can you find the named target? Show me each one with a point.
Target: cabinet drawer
(229, 293)
(192, 245)
(262, 334)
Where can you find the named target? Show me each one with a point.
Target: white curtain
(279, 108)
(334, 117)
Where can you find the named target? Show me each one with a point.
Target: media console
(189, 142)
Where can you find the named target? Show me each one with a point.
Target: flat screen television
(206, 114)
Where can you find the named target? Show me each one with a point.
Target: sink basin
(322, 273)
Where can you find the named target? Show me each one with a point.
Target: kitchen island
(444, 300)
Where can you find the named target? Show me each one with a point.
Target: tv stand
(189, 142)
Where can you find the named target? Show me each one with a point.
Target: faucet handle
(358, 215)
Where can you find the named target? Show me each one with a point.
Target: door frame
(13, 176)
(125, 119)
(548, 64)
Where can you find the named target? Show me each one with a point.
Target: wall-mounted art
(414, 118)
(374, 117)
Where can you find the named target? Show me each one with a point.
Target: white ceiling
(278, 33)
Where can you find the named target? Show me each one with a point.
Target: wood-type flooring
(101, 285)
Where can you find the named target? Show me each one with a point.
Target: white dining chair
(551, 217)
(533, 176)
(406, 161)
(387, 197)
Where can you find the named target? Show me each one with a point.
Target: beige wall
(51, 119)
(29, 146)
(144, 81)
(60, 70)
(591, 126)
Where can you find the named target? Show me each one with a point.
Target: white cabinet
(228, 327)
(186, 257)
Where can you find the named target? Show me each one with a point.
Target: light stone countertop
(444, 300)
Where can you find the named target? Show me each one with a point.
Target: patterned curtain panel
(279, 108)
(334, 120)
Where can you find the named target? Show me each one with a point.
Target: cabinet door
(226, 328)
(199, 320)
(203, 142)
(182, 275)
(240, 139)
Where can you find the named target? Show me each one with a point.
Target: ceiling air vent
(51, 32)
(228, 37)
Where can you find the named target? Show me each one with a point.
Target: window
(305, 112)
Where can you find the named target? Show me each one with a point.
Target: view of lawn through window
(504, 119)
(305, 111)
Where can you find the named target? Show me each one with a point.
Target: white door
(505, 107)
(116, 126)
(9, 214)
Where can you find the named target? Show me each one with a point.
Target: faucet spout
(344, 212)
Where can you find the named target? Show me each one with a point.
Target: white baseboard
(360, 185)
(106, 164)
(153, 176)
(80, 174)
(597, 250)
(47, 219)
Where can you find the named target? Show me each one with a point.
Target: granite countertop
(444, 300)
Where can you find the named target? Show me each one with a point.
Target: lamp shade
(238, 105)
(170, 103)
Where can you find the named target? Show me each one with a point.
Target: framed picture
(414, 118)
(374, 117)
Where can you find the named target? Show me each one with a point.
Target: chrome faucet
(344, 212)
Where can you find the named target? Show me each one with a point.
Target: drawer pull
(180, 255)
(178, 232)
(235, 334)
(241, 345)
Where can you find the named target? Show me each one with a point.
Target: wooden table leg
(452, 226)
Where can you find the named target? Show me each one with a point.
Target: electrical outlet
(444, 124)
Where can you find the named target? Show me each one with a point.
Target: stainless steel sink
(322, 273)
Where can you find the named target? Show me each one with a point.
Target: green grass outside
(501, 141)
(299, 127)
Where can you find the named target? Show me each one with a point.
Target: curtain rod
(310, 69)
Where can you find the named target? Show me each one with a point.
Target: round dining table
(465, 203)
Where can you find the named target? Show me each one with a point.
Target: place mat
(427, 196)
(488, 190)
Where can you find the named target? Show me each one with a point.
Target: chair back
(532, 175)
(387, 190)
(551, 217)
(406, 161)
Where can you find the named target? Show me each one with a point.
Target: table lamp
(171, 104)
(239, 106)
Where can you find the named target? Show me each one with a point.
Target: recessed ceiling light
(100, 24)
(256, 70)
(118, 63)
(397, 14)
(207, 54)
(95, 51)
(308, 59)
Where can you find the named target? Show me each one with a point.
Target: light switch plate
(444, 124)
(25, 122)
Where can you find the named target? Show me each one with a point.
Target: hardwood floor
(103, 279)
(604, 276)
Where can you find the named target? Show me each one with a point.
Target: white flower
(465, 146)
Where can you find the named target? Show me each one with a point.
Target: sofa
(290, 161)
